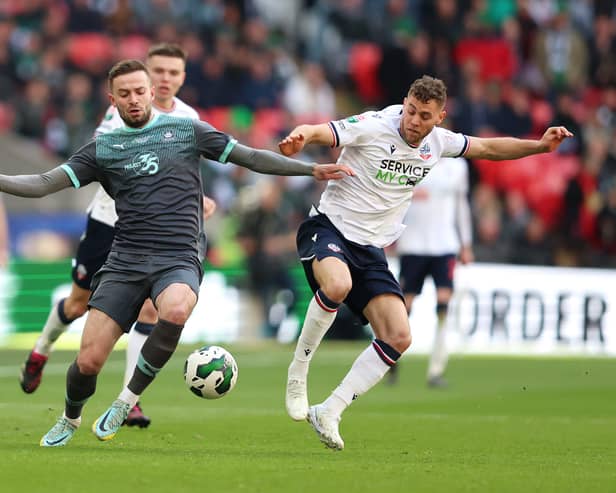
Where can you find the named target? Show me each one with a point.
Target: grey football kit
(97, 238)
(152, 173)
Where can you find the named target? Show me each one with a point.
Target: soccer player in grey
(150, 168)
(166, 63)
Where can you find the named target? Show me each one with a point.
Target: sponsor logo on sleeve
(355, 118)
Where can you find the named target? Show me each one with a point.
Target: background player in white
(166, 63)
(341, 243)
(438, 228)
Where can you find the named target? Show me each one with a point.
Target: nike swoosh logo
(56, 441)
(101, 423)
(118, 146)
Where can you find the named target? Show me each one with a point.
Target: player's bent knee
(400, 342)
(337, 289)
(89, 365)
(74, 308)
(408, 341)
(177, 314)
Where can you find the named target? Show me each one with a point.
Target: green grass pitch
(504, 425)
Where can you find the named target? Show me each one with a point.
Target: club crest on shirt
(333, 247)
(424, 151)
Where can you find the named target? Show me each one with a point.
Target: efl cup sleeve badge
(82, 272)
(333, 247)
(355, 118)
(424, 152)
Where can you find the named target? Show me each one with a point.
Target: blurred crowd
(256, 68)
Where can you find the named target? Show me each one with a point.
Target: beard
(136, 122)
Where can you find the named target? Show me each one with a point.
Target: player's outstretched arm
(35, 185)
(306, 134)
(499, 148)
(270, 163)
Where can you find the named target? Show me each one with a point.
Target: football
(210, 372)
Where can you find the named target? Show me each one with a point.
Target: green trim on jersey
(71, 174)
(126, 128)
(225, 154)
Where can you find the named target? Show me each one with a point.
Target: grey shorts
(126, 280)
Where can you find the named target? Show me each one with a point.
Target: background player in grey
(341, 243)
(438, 229)
(150, 167)
(166, 64)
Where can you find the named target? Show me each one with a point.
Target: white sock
(128, 396)
(316, 324)
(439, 356)
(367, 370)
(52, 329)
(133, 350)
(76, 422)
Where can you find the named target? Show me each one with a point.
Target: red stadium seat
(267, 126)
(364, 60)
(592, 97)
(133, 46)
(91, 50)
(541, 114)
(6, 117)
(496, 58)
(218, 117)
(541, 178)
(270, 120)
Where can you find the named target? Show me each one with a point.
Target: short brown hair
(124, 67)
(426, 88)
(167, 49)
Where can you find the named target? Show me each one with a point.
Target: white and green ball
(210, 372)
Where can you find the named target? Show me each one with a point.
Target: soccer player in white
(341, 243)
(438, 229)
(166, 64)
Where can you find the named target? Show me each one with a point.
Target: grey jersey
(152, 173)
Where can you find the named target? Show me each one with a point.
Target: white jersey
(102, 207)
(433, 219)
(369, 208)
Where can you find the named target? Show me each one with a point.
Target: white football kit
(438, 221)
(102, 207)
(369, 208)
